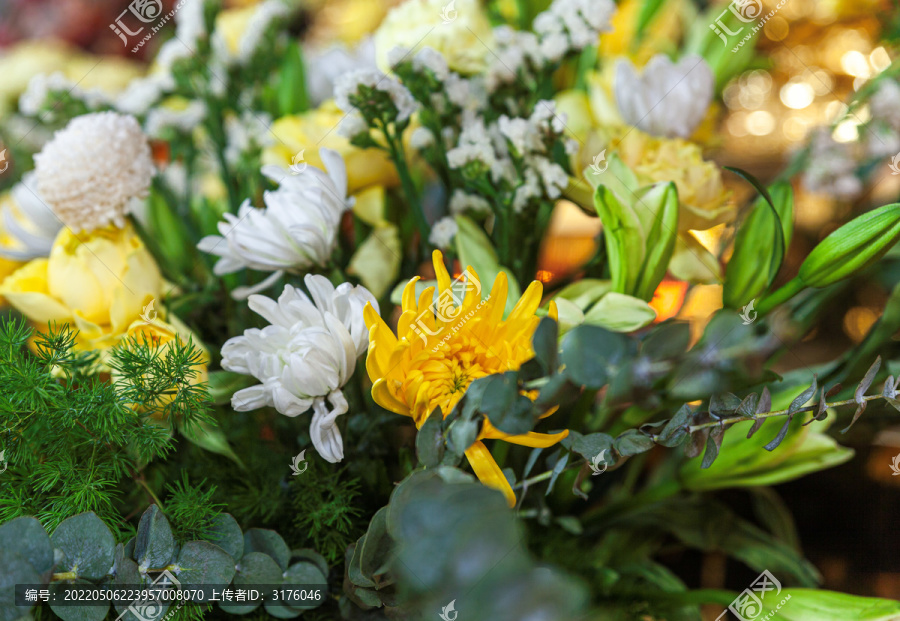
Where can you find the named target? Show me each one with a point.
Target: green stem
(809, 408)
(780, 296)
(395, 148)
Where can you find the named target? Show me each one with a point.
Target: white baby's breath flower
(297, 229)
(426, 58)
(42, 85)
(29, 222)
(266, 13)
(142, 93)
(581, 20)
(517, 53)
(421, 138)
(183, 120)
(190, 25)
(442, 233)
(352, 125)
(883, 104)
(476, 144)
(528, 190)
(348, 85)
(305, 356)
(245, 133)
(93, 169)
(668, 99)
(553, 176)
(462, 202)
(324, 65)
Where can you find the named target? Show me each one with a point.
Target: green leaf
(624, 239)
(763, 236)
(591, 354)
(474, 248)
(546, 345)
(660, 200)
(676, 430)
(633, 442)
(667, 340)
(649, 9)
(76, 613)
(796, 404)
(223, 384)
(25, 536)
(210, 438)
(254, 568)
(377, 260)
(376, 548)
(820, 605)
(310, 556)
(87, 543)
(590, 445)
(620, 313)
(292, 97)
(354, 570)
(225, 532)
(307, 574)
(154, 545)
(201, 562)
(584, 292)
(504, 405)
(430, 440)
(15, 570)
(268, 542)
(852, 247)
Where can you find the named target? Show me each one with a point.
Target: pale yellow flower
(315, 129)
(99, 284)
(460, 31)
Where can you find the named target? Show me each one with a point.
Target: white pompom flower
(297, 229)
(94, 170)
(305, 356)
(669, 99)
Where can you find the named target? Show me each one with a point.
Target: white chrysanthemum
(29, 221)
(668, 99)
(304, 357)
(297, 229)
(92, 170)
(442, 232)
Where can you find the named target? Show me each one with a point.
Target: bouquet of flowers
(284, 311)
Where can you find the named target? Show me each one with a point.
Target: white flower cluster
(246, 133)
(35, 98)
(462, 202)
(93, 170)
(668, 99)
(161, 119)
(304, 357)
(425, 59)
(833, 167)
(323, 66)
(142, 93)
(265, 15)
(442, 232)
(479, 144)
(567, 26)
(532, 139)
(347, 86)
(572, 25)
(297, 229)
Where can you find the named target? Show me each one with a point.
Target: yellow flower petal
(488, 472)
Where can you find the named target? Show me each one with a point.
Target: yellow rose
(312, 130)
(704, 201)
(460, 31)
(98, 284)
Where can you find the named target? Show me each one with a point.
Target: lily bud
(853, 247)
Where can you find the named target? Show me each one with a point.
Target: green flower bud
(853, 247)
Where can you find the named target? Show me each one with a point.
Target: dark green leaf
(713, 445)
(225, 532)
(87, 543)
(546, 345)
(557, 470)
(26, 537)
(861, 391)
(763, 407)
(154, 544)
(14, 569)
(633, 442)
(676, 430)
(268, 542)
(376, 548)
(201, 562)
(591, 355)
(430, 440)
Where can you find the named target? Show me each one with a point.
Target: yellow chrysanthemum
(432, 360)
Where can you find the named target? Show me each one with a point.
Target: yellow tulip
(312, 130)
(98, 283)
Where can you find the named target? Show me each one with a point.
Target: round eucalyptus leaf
(14, 569)
(306, 575)
(311, 556)
(87, 543)
(76, 613)
(268, 542)
(201, 562)
(26, 536)
(154, 544)
(225, 533)
(258, 568)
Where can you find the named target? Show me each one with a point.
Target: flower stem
(808, 408)
(783, 294)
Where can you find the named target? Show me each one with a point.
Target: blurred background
(794, 97)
